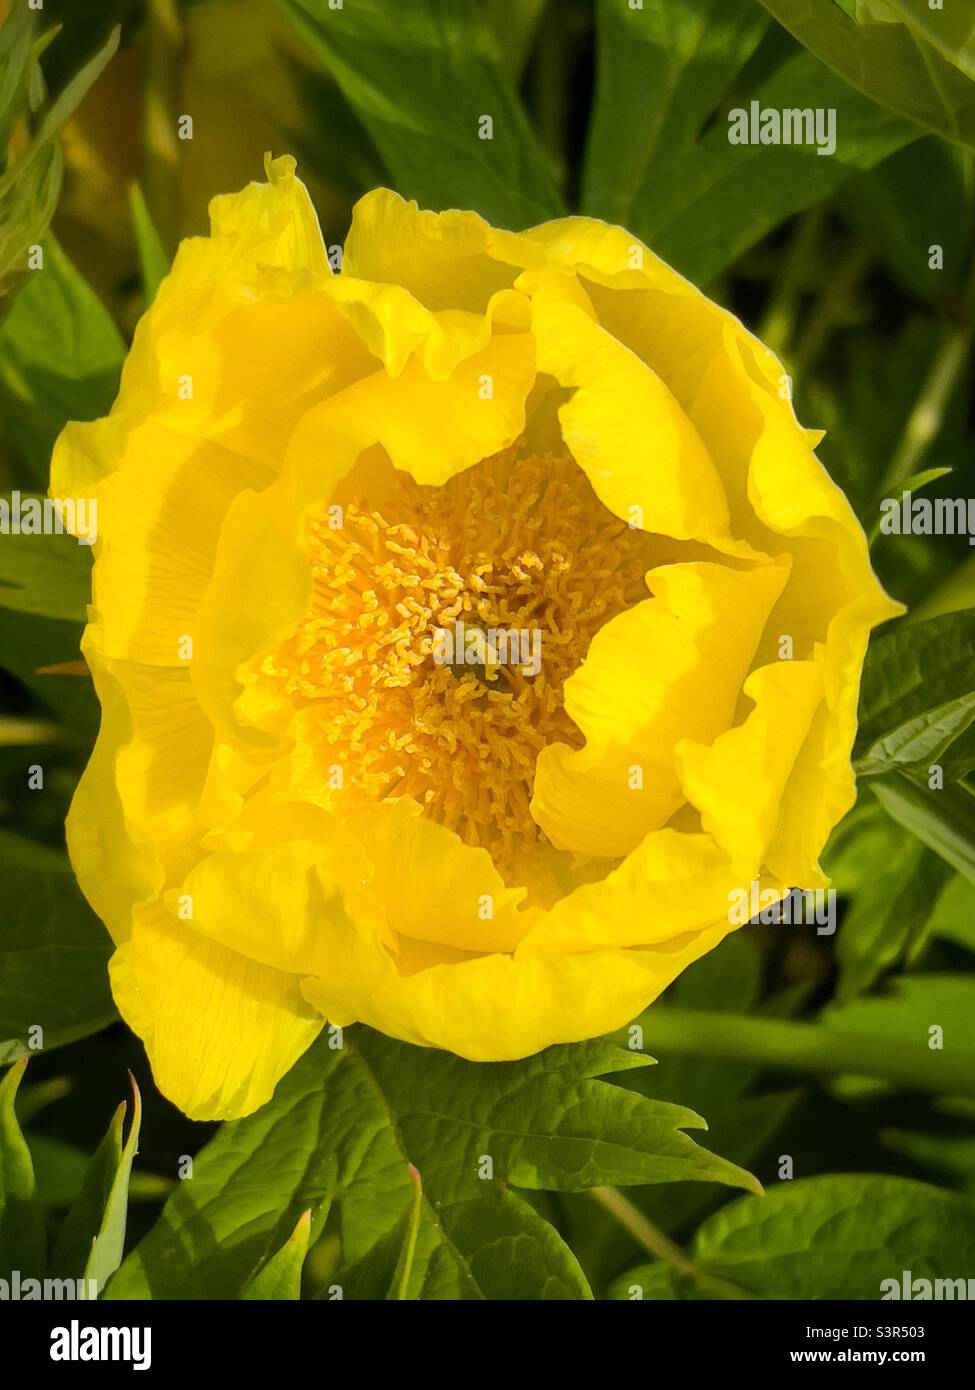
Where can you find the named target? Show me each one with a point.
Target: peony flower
(470, 627)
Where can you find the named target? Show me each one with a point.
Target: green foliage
(675, 180)
(30, 178)
(21, 1222)
(421, 88)
(53, 952)
(829, 1237)
(918, 694)
(60, 358)
(887, 52)
(345, 1125)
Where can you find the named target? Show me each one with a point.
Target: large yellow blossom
(298, 808)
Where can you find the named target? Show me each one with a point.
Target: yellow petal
(667, 669)
(220, 1030)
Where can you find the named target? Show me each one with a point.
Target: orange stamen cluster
(520, 543)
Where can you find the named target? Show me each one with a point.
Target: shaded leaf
(21, 1217)
(53, 952)
(889, 62)
(421, 87)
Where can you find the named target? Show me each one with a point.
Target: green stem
(831, 310)
(655, 1243)
(806, 1047)
(162, 41)
(515, 25)
(924, 421)
(778, 324)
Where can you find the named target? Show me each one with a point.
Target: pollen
(443, 624)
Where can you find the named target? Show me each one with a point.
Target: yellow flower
(469, 627)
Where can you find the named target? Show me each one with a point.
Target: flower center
(442, 627)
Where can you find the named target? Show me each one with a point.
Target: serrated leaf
(280, 1278)
(60, 359)
(420, 87)
(825, 1237)
(53, 952)
(47, 575)
(345, 1124)
(889, 62)
(21, 1217)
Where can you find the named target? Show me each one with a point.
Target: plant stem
(806, 1047)
(162, 46)
(778, 324)
(924, 421)
(653, 1240)
(831, 310)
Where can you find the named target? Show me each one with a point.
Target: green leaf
(680, 58)
(951, 29)
(29, 187)
(28, 648)
(47, 575)
(280, 1278)
(907, 1011)
(953, 917)
(92, 1238)
(16, 51)
(826, 1237)
(943, 820)
(404, 1265)
(895, 888)
(420, 87)
(153, 261)
(345, 1124)
(901, 227)
(60, 358)
(21, 1217)
(917, 693)
(53, 952)
(707, 205)
(60, 1170)
(891, 63)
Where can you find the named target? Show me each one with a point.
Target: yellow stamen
(519, 543)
